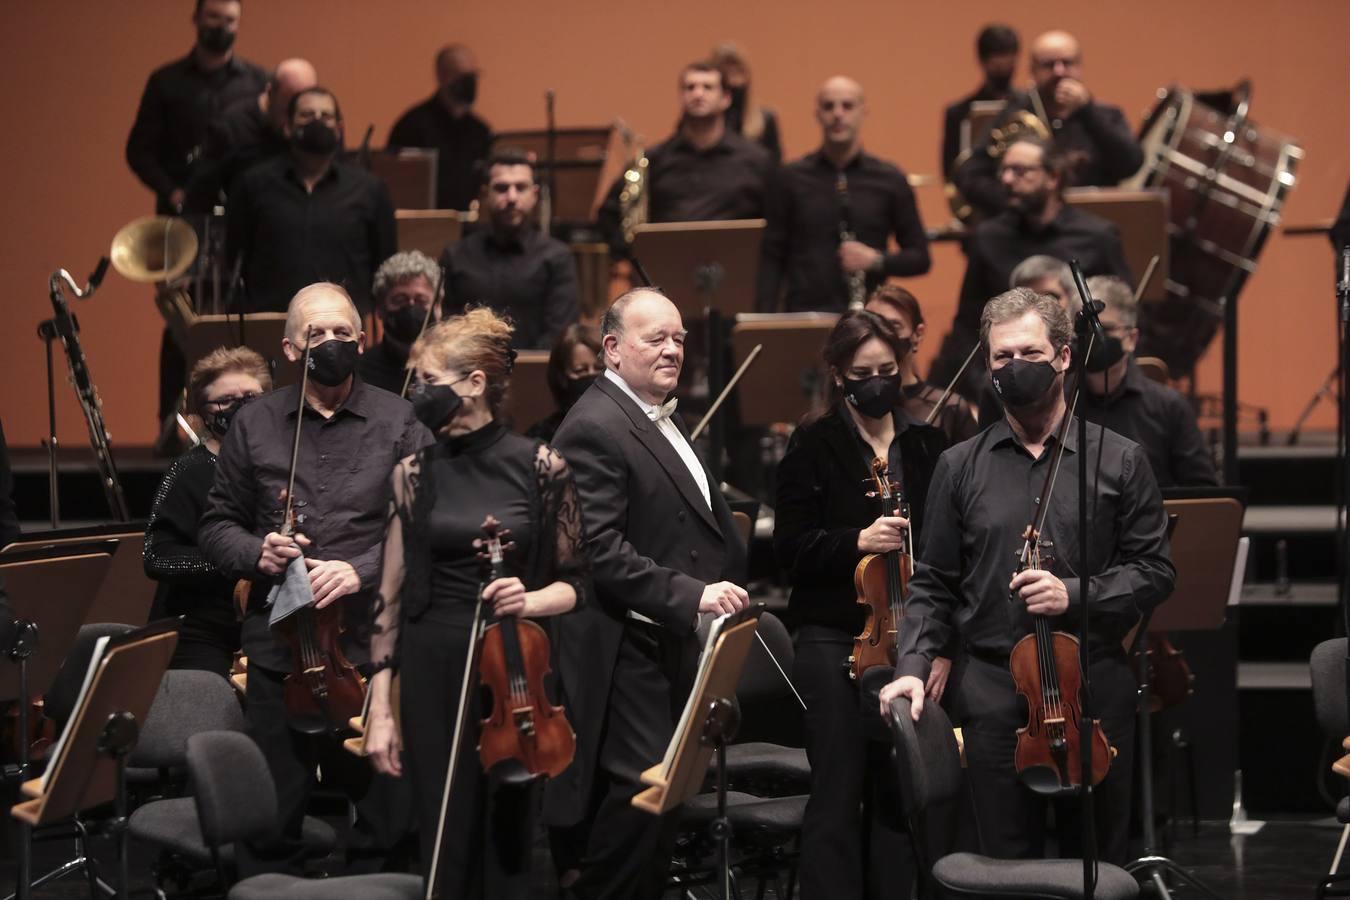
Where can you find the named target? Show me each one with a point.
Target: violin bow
(951, 385)
(426, 321)
(287, 519)
(726, 391)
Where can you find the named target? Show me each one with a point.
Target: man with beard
(406, 286)
(306, 216)
(997, 48)
(983, 495)
(512, 266)
(183, 98)
(446, 123)
(704, 172)
(1097, 144)
(839, 184)
(1037, 221)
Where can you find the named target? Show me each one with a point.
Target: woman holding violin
(826, 524)
(431, 584)
(993, 504)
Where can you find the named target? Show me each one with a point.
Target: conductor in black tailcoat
(663, 549)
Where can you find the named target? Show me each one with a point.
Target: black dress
(442, 496)
(189, 585)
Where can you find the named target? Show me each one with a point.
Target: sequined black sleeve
(171, 549)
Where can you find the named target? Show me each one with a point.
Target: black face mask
(463, 89)
(315, 138)
(333, 362)
(874, 396)
(435, 405)
(219, 421)
(405, 324)
(1105, 355)
(214, 38)
(576, 387)
(1021, 382)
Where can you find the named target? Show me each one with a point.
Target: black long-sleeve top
(821, 506)
(341, 494)
(985, 492)
(290, 237)
(179, 102)
(236, 141)
(997, 245)
(530, 277)
(726, 181)
(460, 144)
(1096, 141)
(805, 210)
(188, 584)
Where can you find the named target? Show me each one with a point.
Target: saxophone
(857, 281)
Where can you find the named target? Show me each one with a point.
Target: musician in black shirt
(308, 217)
(985, 491)
(181, 100)
(405, 288)
(839, 188)
(446, 124)
(1096, 141)
(1038, 221)
(704, 171)
(996, 48)
(1125, 400)
(512, 266)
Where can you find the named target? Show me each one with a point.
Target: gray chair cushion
(1343, 811)
(386, 886)
(781, 815)
(188, 702)
(1327, 665)
(767, 761)
(969, 875)
(174, 826)
(236, 798)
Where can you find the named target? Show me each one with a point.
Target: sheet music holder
(1142, 218)
(680, 774)
(126, 592)
(789, 380)
(410, 175)
(429, 230)
(529, 399)
(579, 164)
(703, 264)
(262, 334)
(1204, 551)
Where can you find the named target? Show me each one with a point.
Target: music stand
(410, 175)
(1142, 218)
(529, 399)
(1204, 545)
(260, 332)
(579, 161)
(126, 593)
(88, 766)
(709, 723)
(429, 230)
(789, 380)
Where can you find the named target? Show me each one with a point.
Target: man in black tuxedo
(663, 549)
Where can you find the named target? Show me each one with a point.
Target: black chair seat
(777, 815)
(384, 886)
(772, 762)
(1343, 811)
(174, 826)
(969, 875)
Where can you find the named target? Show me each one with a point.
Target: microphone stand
(550, 181)
(25, 643)
(1343, 441)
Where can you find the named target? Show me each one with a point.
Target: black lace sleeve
(401, 562)
(561, 553)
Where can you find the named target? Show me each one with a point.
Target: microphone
(1089, 323)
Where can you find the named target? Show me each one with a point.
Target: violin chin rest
(1044, 780)
(511, 771)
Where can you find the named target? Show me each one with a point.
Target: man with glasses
(307, 217)
(1098, 146)
(1037, 221)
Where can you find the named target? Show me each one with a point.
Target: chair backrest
(928, 770)
(59, 701)
(1328, 688)
(236, 798)
(188, 702)
(769, 710)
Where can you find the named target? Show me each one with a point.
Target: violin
(1045, 669)
(323, 690)
(1170, 680)
(881, 581)
(524, 735)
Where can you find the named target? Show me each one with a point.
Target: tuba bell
(157, 250)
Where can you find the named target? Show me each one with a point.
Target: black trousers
(292, 758)
(1010, 818)
(628, 851)
(489, 827)
(854, 843)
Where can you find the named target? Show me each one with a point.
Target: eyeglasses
(222, 402)
(1017, 171)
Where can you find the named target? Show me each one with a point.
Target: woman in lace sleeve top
(430, 583)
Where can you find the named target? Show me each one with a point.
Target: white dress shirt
(671, 434)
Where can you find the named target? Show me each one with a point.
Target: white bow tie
(664, 411)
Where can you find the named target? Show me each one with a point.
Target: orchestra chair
(237, 801)
(1154, 368)
(928, 765)
(1329, 703)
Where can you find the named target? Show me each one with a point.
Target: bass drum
(1226, 180)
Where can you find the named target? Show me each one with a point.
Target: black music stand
(260, 332)
(708, 724)
(126, 593)
(708, 269)
(1204, 545)
(789, 380)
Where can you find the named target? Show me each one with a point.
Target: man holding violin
(350, 438)
(985, 492)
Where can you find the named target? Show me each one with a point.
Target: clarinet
(68, 330)
(857, 281)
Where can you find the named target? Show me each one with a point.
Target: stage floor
(1283, 860)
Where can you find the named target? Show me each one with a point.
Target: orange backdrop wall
(71, 74)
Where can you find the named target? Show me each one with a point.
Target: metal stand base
(1152, 869)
